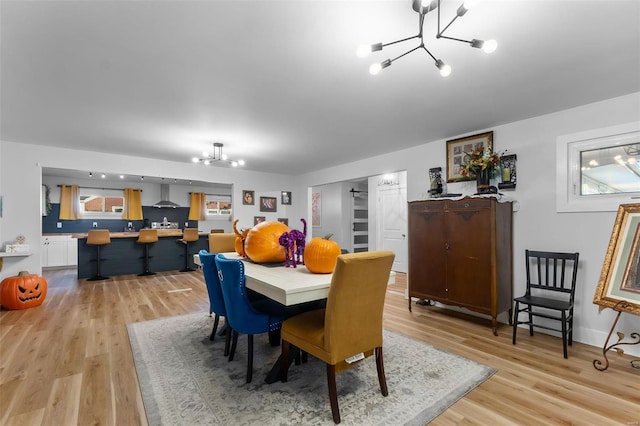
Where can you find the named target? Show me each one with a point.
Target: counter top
(134, 234)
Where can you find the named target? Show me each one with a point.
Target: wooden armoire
(460, 253)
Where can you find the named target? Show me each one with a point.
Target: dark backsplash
(151, 214)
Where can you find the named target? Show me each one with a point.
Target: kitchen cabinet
(59, 250)
(460, 254)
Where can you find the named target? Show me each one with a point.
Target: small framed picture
(258, 219)
(248, 197)
(285, 198)
(459, 149)
(268, 204)
(283, 220)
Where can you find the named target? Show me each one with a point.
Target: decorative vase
(483, 178)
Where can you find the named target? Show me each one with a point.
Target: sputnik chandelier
(217, 156)
(422, 7)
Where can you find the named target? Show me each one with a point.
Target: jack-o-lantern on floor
(23, 291)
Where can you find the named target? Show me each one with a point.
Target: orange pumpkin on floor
(23, 291)
(262, 244)
(321, 255)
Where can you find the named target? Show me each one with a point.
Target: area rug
(186, 380)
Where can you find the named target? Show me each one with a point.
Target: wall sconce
(508, 174)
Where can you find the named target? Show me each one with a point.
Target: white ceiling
(279, 84)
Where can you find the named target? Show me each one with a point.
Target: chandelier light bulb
(468, 4)
(445, 69)
(490, 46)
(241, 162)
(195, 159)
(374, 69)
(234, 164)
(207, 162)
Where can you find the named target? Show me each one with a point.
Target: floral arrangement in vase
(482, 165)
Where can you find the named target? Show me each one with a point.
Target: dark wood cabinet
(460, 253)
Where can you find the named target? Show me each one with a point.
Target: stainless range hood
(164, 202)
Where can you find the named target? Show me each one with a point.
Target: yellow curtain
(69, 202)
(197, 207)
(132, 204)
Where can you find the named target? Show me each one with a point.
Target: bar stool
(147, 237)
(98, 238)
(189, 235)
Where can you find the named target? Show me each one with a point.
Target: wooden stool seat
(147, 237)
(98, 238)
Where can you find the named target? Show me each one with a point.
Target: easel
(635, 363)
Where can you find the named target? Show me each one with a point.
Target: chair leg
(98, 276)
(530, 320)
(284, 359)
(333, 392)
(571, 327)
(186, 259)
(304, 357)
(249, 357)
(515, 322)
(227, 340)
(380, 367)
(234, 343)
(215, 327)
(564, 333)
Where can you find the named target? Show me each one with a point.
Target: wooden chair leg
(284, 358)
(380, 367)
(227, 339)
(530, 320)
(249, 357)
(333, 392)
(234, 343)
(215, 327)
(515, 322)
(564, 333)
(304, 356)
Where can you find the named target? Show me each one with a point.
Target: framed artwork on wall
(457, 149)
(248, 197)
(258, 219)
(619, 284)
(285, 198)
(316, 209)
(268, 204)
(283, 220)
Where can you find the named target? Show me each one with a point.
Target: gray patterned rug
(186, 380)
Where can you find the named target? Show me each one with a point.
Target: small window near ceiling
(598, 170)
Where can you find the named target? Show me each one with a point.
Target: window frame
(568, 172)
(103, 193)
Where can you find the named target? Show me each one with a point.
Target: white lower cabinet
(59, 250)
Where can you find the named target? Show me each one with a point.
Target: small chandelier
(217, 156)
(422, 7)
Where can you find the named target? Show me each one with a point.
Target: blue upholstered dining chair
(216, 300)
(242, 315)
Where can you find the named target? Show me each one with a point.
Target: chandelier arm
(445, 28)
(427, 50)
(456, 39)
(407, 52)
(400, 41)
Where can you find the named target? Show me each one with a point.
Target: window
(218, 205)
(598, 170)
(104, 206)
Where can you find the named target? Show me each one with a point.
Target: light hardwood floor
(69, 361)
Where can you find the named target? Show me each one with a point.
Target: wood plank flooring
(69, 361)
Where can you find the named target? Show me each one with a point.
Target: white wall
(537, 225)
(335, 215)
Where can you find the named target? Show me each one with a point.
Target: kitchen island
(124, 256)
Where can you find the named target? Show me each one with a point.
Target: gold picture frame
(619, 284)
(457, 148)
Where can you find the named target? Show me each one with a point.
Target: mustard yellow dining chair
(222, 242)
(349, 329)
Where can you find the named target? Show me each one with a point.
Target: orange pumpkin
(240, 237)
(262, 245)
(23, 291)
(321, 255)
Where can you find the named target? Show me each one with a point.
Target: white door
(392, 224)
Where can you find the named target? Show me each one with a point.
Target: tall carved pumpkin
(23, 291)
(321, 255)
(240, 237)
(262, 245)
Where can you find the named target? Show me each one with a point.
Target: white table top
(288, 286)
